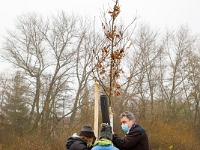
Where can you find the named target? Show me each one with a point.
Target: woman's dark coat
(76, 143)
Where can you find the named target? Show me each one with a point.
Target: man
(136, 137)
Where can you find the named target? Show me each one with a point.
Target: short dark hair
(127, 114)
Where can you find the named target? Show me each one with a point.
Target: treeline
(50, 93)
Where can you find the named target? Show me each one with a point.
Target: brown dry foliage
(34, 142)
(177, 134)
(162, 135)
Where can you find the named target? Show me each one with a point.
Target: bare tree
(146, 43)
(179, 47)
(48, 51)
(192, 89)
(83, 69)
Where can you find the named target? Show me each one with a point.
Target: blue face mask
(125, 127)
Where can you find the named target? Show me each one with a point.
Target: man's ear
(132, 121)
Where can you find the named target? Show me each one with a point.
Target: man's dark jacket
(135, 139)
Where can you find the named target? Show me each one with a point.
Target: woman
(83, 141)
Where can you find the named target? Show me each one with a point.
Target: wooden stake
(96, 106)
(111, 117)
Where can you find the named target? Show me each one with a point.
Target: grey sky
(158, 13)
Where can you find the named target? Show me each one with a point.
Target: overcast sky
(158, 13)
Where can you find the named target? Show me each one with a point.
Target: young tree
(108, 65)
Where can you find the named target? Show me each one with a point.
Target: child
(105, 139)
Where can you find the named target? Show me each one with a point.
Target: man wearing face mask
(136, 137)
